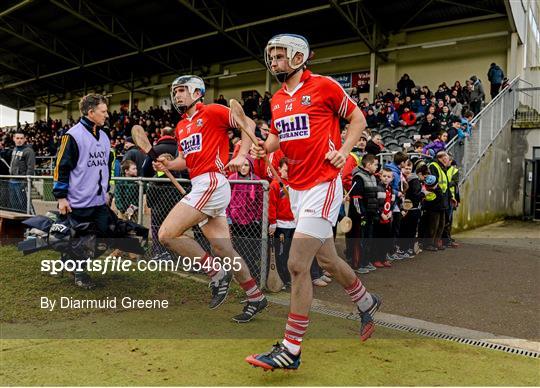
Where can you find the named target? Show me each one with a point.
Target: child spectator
(383, 229)
(364, 213)
(397, 186)
(414, 193)
(466, 127)
(126, 193)
(436, 146)
(281, 222)
(245, 214)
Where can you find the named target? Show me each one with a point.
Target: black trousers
(396, 227)
(383, 241)
(476, 106)
(368, 241)
(99, 215)
(436, 222)
(494, 90)
(282, 246)
(409, 227)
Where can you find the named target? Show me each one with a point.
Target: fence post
(28, 194)
(141, 202)
(264, 235)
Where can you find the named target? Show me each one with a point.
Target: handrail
(497, 98)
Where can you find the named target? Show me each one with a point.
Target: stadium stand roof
(54, 46)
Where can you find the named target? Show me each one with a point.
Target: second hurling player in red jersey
(203, 146)
(305, 126)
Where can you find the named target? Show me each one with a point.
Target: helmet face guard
(192, 83)
(293, 44)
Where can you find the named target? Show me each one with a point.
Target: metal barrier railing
(486, 127)
(149, 201)
(528, 112)
(45, 165)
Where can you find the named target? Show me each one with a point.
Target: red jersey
(279, 206)
(203, 138)
(306, 122)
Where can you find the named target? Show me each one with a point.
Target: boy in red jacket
(281, 221)
(383, 231)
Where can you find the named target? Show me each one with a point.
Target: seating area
(394, 139)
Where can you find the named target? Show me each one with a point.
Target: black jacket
(364, 193)
(165, 145)
(136, 155)
(405, 86)
(414, 192)
(372, 148)
(431, 129)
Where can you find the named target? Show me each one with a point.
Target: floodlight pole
(268, 83)
(131, 87)
(18, 113)
(372, 75)
(48, 106)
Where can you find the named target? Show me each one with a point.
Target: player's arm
(163, 163)
(265, 147)
(357, 124)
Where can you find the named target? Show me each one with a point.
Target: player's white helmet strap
(292, 44)
(192, 82)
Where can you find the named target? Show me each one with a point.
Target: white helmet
(293, 44)
(192, 82)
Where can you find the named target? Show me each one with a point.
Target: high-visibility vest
(113, 167)
(450, 173)
(431, 196)
(443, 178)
(357, 158)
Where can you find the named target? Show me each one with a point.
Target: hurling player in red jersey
(203, 146)
(305, 125)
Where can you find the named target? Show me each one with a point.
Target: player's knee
(324, 262)
(221, 248)
(297, 266)
(165, 236)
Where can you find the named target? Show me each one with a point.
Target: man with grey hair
(82, 172)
